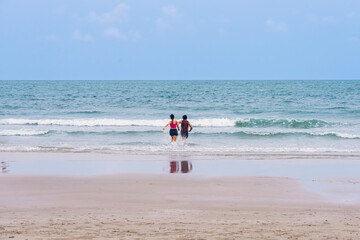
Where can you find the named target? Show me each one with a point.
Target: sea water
(229, 117)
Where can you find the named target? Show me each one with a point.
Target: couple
(174, 127)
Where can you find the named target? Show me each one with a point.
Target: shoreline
(197, 155)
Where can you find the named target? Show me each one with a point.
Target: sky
(179, 39)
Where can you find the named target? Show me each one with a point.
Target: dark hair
(172, 116)
(184, 117)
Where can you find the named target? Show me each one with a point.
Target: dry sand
(139, 206)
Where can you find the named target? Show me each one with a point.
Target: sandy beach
(164, 206)
(179, 120)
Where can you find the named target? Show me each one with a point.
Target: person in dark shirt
(185, 124)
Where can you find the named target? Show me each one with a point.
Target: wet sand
(88, 196)
(153, 206)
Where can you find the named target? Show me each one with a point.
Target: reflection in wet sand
(174, 167)
(4, 167)
(180, 167)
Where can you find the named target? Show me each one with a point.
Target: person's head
(172, 116)
(184, 117)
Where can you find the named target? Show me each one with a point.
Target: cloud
(119, 14)
(328, 20)
(354, 39)
(135, 36)
(171, 15)
(322, 20)
(224, 20)
(162, 24)
(59, 10)
(276, 26)
(114, 32)
(51, 37)
(82, 37)
(352, 15)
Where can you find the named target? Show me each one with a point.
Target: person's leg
(172, 134)
(184, 137)
(174, 139)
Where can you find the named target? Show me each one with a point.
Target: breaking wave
(205, 122)
(22, 133)
(284, 123)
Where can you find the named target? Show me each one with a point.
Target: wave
(23, 133)
(239, 134)
(283, 123)
(85, 112)
(215, 122)
(90, 122)
(113, 133)
(10, 107)
(197, 132)
(193, 150)
(205, 122)
(283, 134)
(340, 135)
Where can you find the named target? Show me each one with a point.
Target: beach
(160, 205)
(179, 120)
(265, 160)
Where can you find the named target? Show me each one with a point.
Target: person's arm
(190, 126)
(177, 123)
(166, 126)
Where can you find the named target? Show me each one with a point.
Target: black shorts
(173, 132)
(185, 135)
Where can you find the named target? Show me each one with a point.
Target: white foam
(341, 135)
(21, 132)
(214, 122)
(346, 135)
(166, 149)
(203, 122)
(211, 122)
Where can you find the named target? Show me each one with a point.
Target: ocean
(229, 117)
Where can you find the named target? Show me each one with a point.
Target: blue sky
(184, 39)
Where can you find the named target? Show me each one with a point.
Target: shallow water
(336, 179)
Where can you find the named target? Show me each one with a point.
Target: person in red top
(174, 127)
(185, 124)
